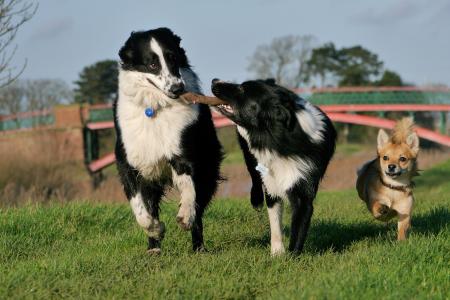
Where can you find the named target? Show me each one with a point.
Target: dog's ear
(175, 40)
(382, 139)
(169, 33)
(126, 53)
(412, 140)
(286, 117)
(270, 81)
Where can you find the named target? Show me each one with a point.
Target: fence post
(443, 122)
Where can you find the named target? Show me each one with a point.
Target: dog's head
(157, 56)
(256, 104)
(398, 159)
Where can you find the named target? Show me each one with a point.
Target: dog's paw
(277, 250)
(200, 249)
(383, 210)
(154, 251)
(186, 217)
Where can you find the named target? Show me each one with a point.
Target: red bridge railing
(337, 113)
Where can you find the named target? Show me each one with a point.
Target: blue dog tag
(149, 112)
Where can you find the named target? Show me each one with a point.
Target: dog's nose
(215, 80)
(177, 89)
(391, 167)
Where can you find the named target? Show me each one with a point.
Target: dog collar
(401, 188)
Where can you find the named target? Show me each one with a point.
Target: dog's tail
(403, 129)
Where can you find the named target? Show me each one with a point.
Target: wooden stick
(196, 98)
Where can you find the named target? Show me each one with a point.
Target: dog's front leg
(182, 179)
(404, 209)
(256, 193)
(145, 206)
(404, 222)
(275, 211)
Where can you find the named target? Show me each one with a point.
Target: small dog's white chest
(151, 141)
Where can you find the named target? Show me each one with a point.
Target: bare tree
(13, 14)
(12, 98)
(305, 46)
(283, 59)
(45, 93)
(38, 94)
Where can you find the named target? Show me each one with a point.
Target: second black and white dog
(160, 139)
(287, 144)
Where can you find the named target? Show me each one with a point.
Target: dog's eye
(402, 159)
(153, 66)
(385, 157)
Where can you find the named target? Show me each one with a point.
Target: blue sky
(412, 37)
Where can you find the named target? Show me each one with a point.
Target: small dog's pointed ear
(382, 139)
(413, 142)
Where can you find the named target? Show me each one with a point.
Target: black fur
(135, 56)
(200, 150)
(268, 113)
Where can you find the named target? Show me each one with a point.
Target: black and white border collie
(160, 139)
(287, 144)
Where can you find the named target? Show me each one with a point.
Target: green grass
(350, 148)
(83, 250)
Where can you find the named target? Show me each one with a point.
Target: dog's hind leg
(197, 232)
(275, 211)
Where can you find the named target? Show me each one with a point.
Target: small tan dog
(385, 183)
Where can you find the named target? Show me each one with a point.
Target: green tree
(357, 66)
(323, 62)
(97, 83)
(390, 78)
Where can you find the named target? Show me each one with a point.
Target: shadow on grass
(435, 177)
(338, 237)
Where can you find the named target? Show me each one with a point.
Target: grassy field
(85, 250)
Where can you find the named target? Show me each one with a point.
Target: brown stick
(196, 98)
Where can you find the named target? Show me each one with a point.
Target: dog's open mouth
(393, 174)
(225, 109)
(152, 83)
(170, 95)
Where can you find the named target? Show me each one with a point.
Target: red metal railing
(365, 89)
(335, 112)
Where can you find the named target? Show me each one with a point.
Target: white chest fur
(150, 142)
(280, 173)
